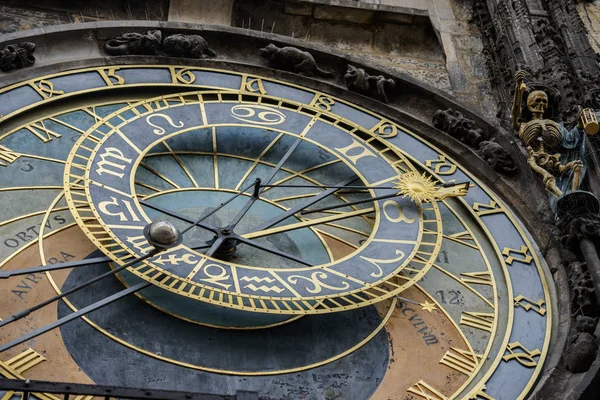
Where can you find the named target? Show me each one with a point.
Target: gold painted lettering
(524, 251)
(183, 75)
(322, 102)
(217, 277)
(385, 129)
(480, 394)
(478, 278)
(257, 114)
(46, 88)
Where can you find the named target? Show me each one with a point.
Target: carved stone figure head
(537, 101)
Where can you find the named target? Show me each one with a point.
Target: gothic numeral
(441, 166)
(183, 75)
(7, 156)
(110, 77)
(104, 166)
(485, 209)
(426, 391)
(483, 321)
(528, 304)
(322, 102)
(385, 129)
(525, 358)
(46, 89)
(461, 360)
(253, 85)
(524, 251)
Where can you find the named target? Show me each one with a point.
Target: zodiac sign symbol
(375, 262)
(265, 115)
(161, 130)
(315, 279)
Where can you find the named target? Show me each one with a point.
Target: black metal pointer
(275, 220)
(259, 184)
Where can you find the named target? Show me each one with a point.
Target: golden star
(427, 306)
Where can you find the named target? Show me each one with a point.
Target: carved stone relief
(152, 43)
(293, 60)
(15, 56)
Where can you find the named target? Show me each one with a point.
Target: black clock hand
(196, 223)
(259, 184)
(353, 203)
(271, 250)
(275, 220)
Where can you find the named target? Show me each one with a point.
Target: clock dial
(318, 236)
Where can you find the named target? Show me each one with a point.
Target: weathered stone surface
(581, 353)
(354, 15)
(298, 8)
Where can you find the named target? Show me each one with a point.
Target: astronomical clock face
(327, 252)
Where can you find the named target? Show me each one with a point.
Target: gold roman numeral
(478, 278)
(426, 391)
(355, 151)
(461, 360)
(41, 132)
(483, 321)
(7, 156)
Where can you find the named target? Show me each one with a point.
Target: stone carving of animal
(189, 46)
(375, 86)
(152, 43)
(293, 60)
(16, 56)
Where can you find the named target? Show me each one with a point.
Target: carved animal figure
(375, 86)
(16, 56)
(497, 157)
(152, 43)
(135, 43)
(293, 60)
(189, 46)
(453, 123)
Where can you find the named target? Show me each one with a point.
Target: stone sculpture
(293, 60)
(456, 125)
(15, 56)
(555, 152)
(374, 86)
(152, 43)
(582, 346)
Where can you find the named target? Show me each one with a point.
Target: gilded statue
(555, 152)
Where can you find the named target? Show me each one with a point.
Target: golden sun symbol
(417, 187)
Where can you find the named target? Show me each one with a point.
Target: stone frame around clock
(66, 47)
